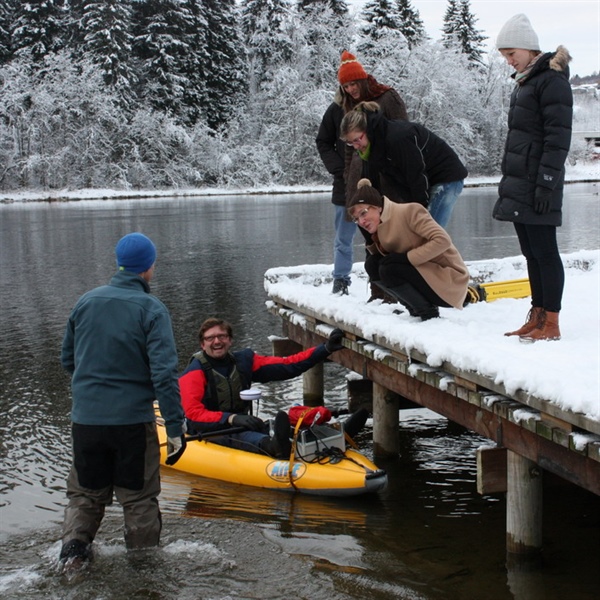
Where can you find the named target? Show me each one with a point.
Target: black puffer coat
(539, 135)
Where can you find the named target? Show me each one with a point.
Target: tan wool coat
(409, 228)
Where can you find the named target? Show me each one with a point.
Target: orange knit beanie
(350, 69)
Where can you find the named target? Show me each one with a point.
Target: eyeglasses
(219, 336)
(360, 215)
(357, 140)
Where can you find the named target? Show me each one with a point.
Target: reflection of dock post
(385, 422)
(313, 386)
(523, 507)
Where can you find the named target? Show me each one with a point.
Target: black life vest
(223, 393)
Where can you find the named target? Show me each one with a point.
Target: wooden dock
(531, 435)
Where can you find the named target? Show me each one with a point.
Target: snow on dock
(564, 373)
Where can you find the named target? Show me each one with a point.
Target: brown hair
(348, 102)
(214, 322)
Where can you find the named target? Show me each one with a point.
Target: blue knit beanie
(135, 252)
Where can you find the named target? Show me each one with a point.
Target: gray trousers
(141, 513)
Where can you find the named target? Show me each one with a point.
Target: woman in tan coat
(411, 257)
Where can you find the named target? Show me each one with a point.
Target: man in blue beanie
(120, 350)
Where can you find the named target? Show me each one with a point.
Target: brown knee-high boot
(547, 329)
(533, 316)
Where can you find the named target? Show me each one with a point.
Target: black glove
(340, 411)
(249, 422)
(542, 200)
(334, 341)
(175, 448)
(398, 258)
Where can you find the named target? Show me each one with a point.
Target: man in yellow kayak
(211, 384)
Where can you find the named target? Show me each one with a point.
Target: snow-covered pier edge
(538, 403)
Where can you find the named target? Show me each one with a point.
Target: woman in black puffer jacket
(533, 167)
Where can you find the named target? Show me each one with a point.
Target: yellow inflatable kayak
(322, 465)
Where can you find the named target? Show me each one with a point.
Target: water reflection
(211, 499)
(477, 236)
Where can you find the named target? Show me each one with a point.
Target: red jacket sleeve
(192, 385)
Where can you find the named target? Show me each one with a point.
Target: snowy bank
(584, 172)
(565, 373)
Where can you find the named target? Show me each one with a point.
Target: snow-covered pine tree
(381, 20)
(227, 79)
(411, 24)
(338, 7)
(451, 23)
(267, 42)
(459, 30)
(160, 44)
(196, 65)
(471, 38)
(107, 40)
(7, 12)
(323, 33)
(39, 28)
(74, 34)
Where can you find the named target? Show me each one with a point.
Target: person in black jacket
(355, 85)
(405, 161)
(533, 167)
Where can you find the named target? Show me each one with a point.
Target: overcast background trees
(163, 93)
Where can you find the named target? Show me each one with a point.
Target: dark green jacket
(119, 347)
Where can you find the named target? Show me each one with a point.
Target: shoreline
(584, 175)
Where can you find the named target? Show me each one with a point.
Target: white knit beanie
(518, 33)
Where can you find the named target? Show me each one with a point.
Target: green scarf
(365, 155)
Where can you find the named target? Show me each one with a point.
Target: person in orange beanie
(355, 85)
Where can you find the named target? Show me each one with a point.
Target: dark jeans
(394, 274)
(544, 266)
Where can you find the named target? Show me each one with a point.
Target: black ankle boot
(380, 292)
(416, 304)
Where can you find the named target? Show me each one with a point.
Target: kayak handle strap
(210, 434)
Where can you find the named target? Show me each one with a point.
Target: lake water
(429, 535)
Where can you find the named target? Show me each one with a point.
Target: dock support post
(385, 422)
(523, 508)
(314, 386)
